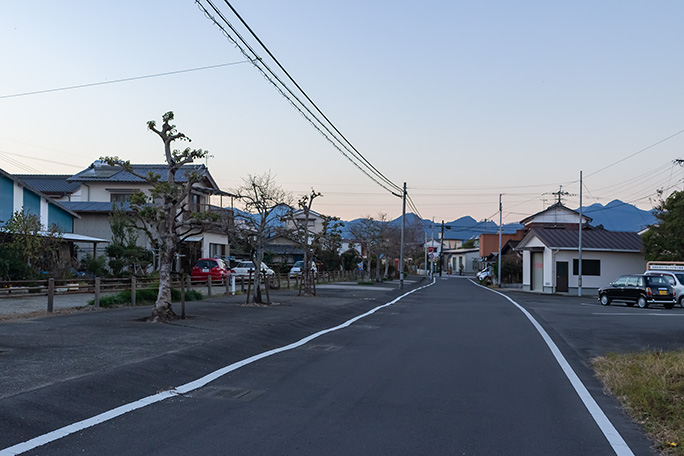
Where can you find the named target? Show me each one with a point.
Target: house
(97, 189)
(17, 195)
(550, 253)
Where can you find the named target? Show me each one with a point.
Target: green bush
(145, 297)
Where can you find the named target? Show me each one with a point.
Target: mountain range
(614, 216)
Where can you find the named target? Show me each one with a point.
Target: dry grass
(650, 385)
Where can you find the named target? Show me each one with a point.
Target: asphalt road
(449, 369)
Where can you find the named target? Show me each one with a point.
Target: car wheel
(605, 300)
(681, 301)
(641, 302)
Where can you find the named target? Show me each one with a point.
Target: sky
(463, 101)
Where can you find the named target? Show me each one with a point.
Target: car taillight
(648, 291)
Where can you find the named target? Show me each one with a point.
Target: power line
(637, 152)
(369, 164)
(325, 129)
(134, 78)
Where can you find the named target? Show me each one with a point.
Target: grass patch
(650, 386)
(144, 297)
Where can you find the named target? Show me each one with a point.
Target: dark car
(210, 267)
(639, 289)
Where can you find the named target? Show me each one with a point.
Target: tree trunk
(257, 260)
(162, 310)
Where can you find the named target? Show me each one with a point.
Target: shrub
(145, 296)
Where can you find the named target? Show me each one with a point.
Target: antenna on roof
(560, 194)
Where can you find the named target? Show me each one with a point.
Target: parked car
(484, 274)
(210, 267)
(639, 289)
(296, 270)
(676, 280)
(242, 269)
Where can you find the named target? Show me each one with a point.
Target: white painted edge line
(612, 435)
(57, 434)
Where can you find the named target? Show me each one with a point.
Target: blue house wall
(31, 203)
(61, 218)
(6, 199)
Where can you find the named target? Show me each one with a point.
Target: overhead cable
(328, 132)
(134, 78)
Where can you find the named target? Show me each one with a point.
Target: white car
(242, 269)
(484, 274)
(296, 270)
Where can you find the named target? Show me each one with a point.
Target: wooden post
(266, 280)
(249, 286)
(97, 292)
(182, 292)
(208, 285)
(134, 288)
(51, 294)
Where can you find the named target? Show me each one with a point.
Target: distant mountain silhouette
(614, 216)
(619, 216)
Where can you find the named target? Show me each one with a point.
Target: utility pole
(500, 228)
(432, 246)
(401, 249)
(441, 248)
(579, 265)
(427, 274)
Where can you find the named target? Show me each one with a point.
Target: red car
(214, 267)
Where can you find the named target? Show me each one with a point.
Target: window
(217, 250)
(120, 197)
(589, 267)
(621, 281)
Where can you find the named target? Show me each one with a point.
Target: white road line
(638, 314)
(612, 435)
(57, 434)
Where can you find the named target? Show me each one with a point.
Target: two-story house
(95, 191)
(20, 195)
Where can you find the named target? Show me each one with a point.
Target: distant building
(550, 253)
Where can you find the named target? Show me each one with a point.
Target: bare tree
(304, 237)
(260, 197)
(366, 233)
(164, 215)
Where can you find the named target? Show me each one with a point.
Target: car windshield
(298, 264)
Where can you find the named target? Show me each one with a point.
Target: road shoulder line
(612, 435)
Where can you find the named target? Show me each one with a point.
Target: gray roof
(38, 192)
(568, 239)
(101, 172)
(49, 184)
(93, 206)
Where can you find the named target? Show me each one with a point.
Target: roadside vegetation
(650, 386)
(145, 297)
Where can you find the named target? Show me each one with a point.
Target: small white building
(550, 252)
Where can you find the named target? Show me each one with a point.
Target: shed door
(537, 271)
(562, 276)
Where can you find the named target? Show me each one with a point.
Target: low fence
(99, 286)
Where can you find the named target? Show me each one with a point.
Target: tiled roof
(591, 239)
(101, 172)
(92, 206)
(49, 183)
